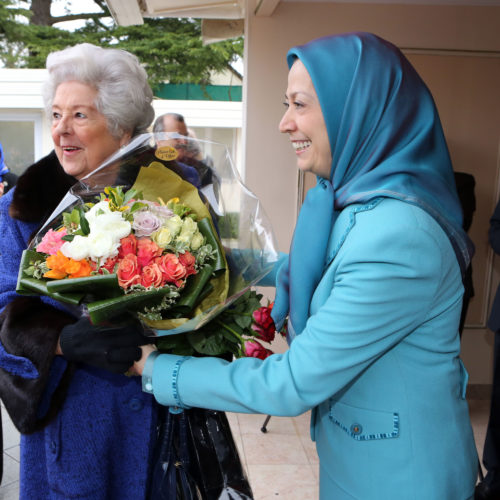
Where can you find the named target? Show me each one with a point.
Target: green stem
(236, 334)
(236, 313)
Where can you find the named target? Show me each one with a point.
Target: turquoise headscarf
(386, 140)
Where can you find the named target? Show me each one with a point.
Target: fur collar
(39, 189)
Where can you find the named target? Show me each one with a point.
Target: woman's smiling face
(304, 123)
(80, 132)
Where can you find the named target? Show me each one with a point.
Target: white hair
(123, 94)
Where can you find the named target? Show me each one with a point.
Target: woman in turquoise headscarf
(372, 287)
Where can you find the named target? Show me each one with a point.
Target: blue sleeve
(367, 307)
(14, 239)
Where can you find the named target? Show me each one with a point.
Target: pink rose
(51, 242)
(128, 271)
(147, 250)
(188, 260)
(264, 324)
(173, 271)
(127, 245)
(254, 349)
(152, 276)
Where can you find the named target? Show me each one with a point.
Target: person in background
(7, 178)
(489, 488)
(174, 123)
(372, 288)
(87, 430)
(465, 184)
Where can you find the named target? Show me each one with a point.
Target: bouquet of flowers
(136, 237)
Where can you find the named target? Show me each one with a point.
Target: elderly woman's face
(80, 132)
(304, 123)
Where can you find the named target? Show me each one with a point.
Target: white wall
(21, 100)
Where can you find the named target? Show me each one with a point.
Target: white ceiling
(127, 12)
(409, 2)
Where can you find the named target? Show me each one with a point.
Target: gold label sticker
(166, 153)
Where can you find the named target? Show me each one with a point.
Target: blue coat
(99, 444)
(378, 362)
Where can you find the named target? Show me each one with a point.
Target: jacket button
(136, 404)
(356, 429)
(53, 447)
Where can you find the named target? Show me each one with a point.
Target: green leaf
(102, 310)
(84, 225)
(101, 284)
(207, 230)
(211, 345)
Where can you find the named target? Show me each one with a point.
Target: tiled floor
(281, 463)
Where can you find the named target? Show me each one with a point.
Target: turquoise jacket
(378, 362)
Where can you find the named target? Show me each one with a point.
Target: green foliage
(225, 334)
(170, 49)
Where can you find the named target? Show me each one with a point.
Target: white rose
(189, 226)
(98, 208)
(184, 238)
(111, 222)
(174, 225)
(162, 237)
(77, 249)
(197, 240)
(102, 245)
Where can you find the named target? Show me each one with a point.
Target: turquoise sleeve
(364, 305)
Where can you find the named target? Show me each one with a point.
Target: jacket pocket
(362, 424)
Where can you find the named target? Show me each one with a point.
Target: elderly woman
(372, 290)
(87, 429)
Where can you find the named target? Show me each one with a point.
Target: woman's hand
(138, 366)
(110, 348)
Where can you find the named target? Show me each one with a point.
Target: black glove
(112, 348)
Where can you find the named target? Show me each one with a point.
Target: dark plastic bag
(196, 458)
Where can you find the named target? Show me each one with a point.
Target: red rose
(128, 271)
(147, 250)
(109, 265)
(188, 260)
(152, 276)
(173, 271)
(127, 245)
(254, 349)
(264, 324)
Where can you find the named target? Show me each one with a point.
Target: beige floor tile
(10, 470)
(309, 448)
(251, 423)
(9, 491)
(289, 482)
(267, 449)
(13, 452)
(11, 435)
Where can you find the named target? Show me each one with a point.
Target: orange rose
(78, 268)
(147, 250)
(128, 271)
(56, 264)
(152, 276)
(173, 271)
(61, 266)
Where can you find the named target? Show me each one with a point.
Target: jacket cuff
(164, 378)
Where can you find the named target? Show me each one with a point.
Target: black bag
(196, 458)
